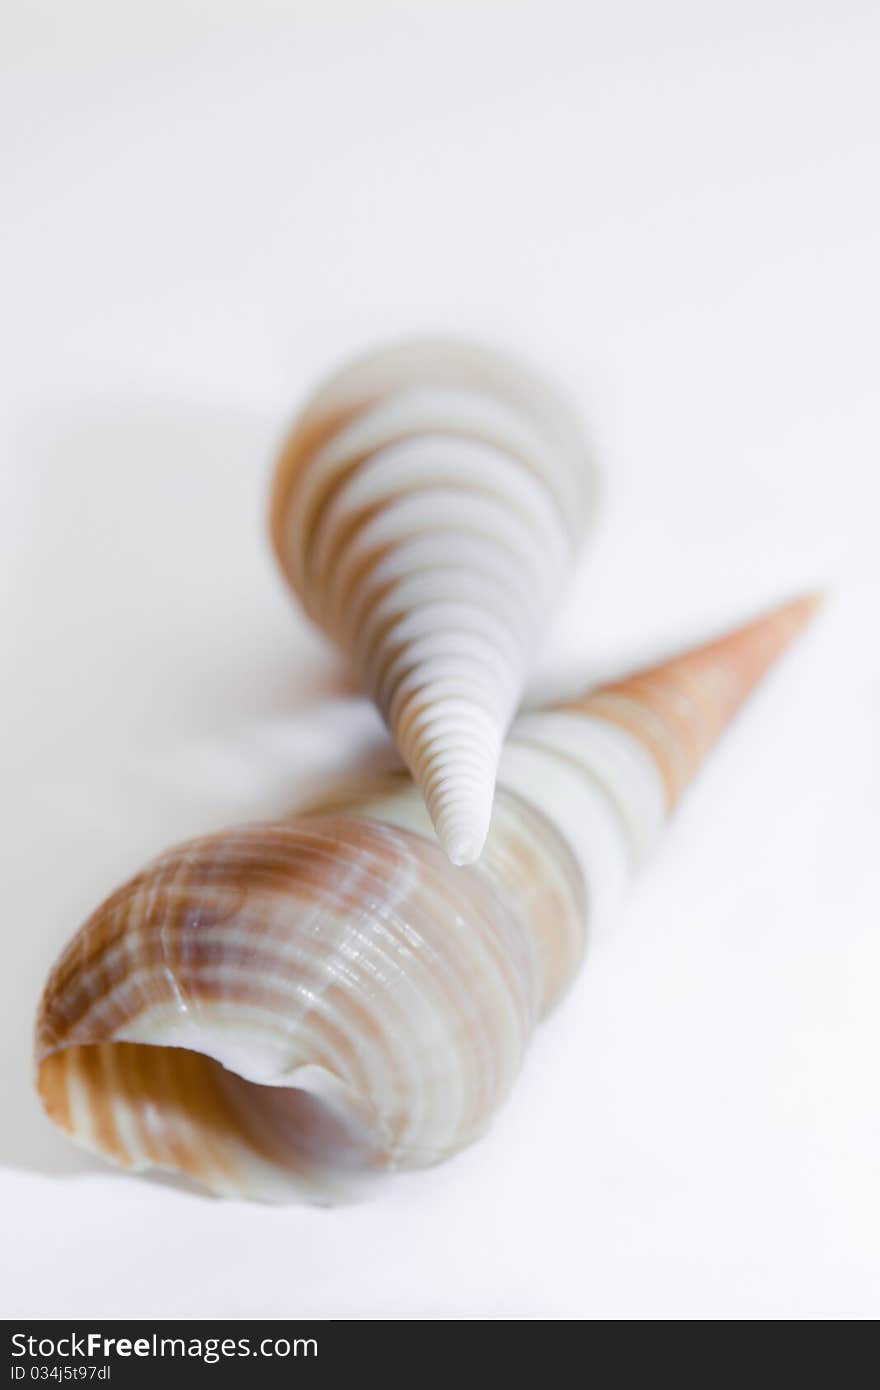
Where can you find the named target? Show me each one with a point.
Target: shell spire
(681, 707)
(292, 1008)
(426, 510)
(634, 745)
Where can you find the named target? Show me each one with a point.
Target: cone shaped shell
(427, 509)
(296, 1007)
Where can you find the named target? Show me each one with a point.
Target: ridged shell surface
(297, 1007)
(427, 509)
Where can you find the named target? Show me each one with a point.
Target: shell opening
(170, 1108)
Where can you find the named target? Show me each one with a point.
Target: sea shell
(427, 508)
(290, 1007)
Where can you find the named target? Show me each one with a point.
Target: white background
(673, 208)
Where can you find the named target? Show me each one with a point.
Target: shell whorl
(426, 509)
(336, 957)
(292, 1007)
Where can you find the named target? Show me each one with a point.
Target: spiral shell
(293, 1007)
(426, 510)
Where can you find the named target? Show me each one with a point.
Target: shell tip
(463, 849)
(803, 608)
(461, 817)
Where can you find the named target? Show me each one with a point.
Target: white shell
(427, 510)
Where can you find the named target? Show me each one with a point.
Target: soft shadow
(164, 685)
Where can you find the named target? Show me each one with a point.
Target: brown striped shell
(298, 1006)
